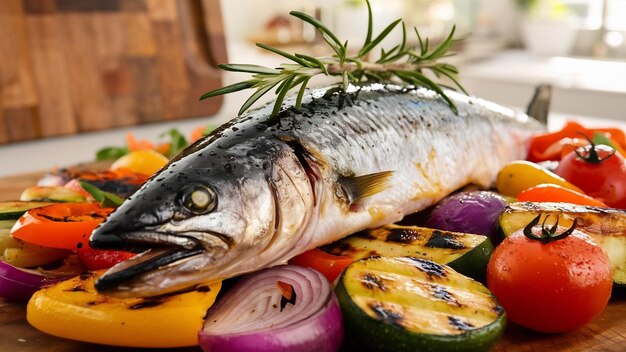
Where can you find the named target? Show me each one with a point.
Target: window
(591, 16)
(589, 12)
(615, 19)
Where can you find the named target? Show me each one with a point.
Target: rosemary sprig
(401, 63)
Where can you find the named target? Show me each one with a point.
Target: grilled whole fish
(261, 189)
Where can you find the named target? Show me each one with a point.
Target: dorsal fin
(363, 186)
(539, 106)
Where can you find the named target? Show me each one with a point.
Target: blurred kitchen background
(78, 75)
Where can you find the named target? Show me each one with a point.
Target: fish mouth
(160, 249)
(138, 241)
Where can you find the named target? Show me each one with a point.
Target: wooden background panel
(50, 67)
(68, 66)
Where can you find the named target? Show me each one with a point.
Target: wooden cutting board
(68, 66)
(605, 333)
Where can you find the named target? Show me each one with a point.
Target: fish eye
(199, 199)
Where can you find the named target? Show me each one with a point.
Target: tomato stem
(547, 234)
(592, 156)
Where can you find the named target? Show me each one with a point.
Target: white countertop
(580, 86)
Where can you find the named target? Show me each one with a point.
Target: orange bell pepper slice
(554, 193)
(331, 266)
(63, 225)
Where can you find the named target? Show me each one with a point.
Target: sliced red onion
(249, 317)
(19, 284)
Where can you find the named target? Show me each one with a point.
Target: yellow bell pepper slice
(145, 162)
(519, 175)
(73, 309)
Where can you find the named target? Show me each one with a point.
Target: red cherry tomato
(329, 265)
(604, 180)
(550, 287)
(63, 225)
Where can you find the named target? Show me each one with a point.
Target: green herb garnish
(111, 153)
(177, 141)
(402, 63)
(106, 199)
(601, 138)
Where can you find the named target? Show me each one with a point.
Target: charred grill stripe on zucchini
(403, 303)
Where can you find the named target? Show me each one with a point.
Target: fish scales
(275, 184)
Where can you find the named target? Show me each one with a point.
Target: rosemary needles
(401, 63)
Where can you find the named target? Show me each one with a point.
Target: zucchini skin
(474, 263)
(12, 210)
(377, 335)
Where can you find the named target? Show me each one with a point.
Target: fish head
(203, 217)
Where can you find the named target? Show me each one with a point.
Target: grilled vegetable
(121, 182)
(62, 225)
(547, 192)
(12, 210)
(465, 253)
(410, 304)
(598, 170)
(549, 146)
(607, 227)
(51, 194)
(25, 255)
(18, 284)
(145, 162)
(469, 212)
(285, 308)
(96, 259)
(521, 174)
(331, 266)
(550, 278)
(73, 310)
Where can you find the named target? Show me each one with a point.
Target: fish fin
(539, 106)
(359, 187)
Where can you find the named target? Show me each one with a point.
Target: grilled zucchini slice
(465, 253)
(411, 304)
(607, 227)
(51, 194)
(12, 210)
